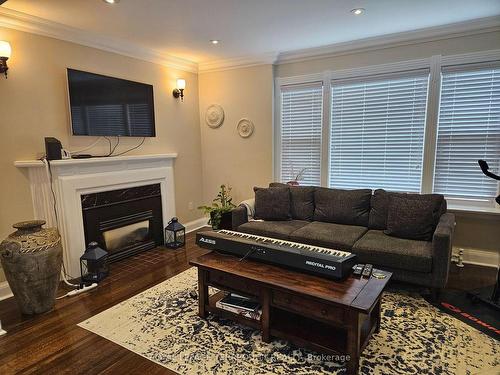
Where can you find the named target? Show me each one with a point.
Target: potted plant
(220, 210)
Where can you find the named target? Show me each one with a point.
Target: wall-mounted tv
(107, 106)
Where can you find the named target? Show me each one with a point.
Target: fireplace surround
(75, 178)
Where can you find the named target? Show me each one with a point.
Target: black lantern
(94, 263)
(175, 234)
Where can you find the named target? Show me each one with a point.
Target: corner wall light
(5, 52)
(179, 90)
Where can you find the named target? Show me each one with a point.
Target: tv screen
(107, 106)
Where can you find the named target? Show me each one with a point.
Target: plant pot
(226, 221)
(31, 258)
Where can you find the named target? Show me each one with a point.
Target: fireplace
(125, 221)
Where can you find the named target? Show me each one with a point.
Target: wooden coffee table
(326, 316)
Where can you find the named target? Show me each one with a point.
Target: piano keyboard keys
(293, 245)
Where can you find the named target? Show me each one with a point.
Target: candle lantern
(175, 234)
(94, 264)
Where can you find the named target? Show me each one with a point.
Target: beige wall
(228, 158)
(33, 104)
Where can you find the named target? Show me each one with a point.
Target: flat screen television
(107, 106)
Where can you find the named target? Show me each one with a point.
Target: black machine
(492, 299)
(108, 106)
(334, 264)
(53, 148)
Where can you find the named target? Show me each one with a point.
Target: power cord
(49, 169)
(114, 148)
(133, 148)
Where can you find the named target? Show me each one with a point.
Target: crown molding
(238, 62)
(24, 22)
(454, 30)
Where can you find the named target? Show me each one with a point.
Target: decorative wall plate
(214, 117)
(245, 128)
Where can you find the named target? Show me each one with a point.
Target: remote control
(367, 271)
(358, 269)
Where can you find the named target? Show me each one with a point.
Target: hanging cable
(133, 148)
(86, 148)
(65, 275)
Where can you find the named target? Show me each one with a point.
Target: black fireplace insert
(125, 221)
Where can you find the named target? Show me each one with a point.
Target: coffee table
(336, 318)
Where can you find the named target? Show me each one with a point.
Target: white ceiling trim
(36, 25)
(454, 30)
(237, 62)
(24, 22)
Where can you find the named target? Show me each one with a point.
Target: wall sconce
(5, 52)
(179, 91)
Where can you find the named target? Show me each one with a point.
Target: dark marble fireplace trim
(106, 198)
(117, 208)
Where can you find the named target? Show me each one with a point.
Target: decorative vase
(293, 183)
(31, 258)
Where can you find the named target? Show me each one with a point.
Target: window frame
(434, 63)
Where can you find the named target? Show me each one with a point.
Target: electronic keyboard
(317, 260)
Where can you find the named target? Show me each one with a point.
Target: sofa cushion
(351, 207)
(413, 218)
(379, 208)
(272, 203)
(335, 236)
(377, 248)
(275, 229)
(380, 202)
(301, 201)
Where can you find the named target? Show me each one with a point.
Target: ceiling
(183, 28)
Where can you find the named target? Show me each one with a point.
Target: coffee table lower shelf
(292, 310)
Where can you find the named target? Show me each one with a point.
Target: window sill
(474, 210)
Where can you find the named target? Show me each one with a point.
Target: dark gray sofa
(356, 221)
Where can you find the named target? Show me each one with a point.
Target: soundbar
(334, 264)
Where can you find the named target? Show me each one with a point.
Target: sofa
(409, 235)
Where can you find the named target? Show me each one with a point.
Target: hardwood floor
(52, 343)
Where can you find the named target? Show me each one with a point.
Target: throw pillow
(413, 216)
(351, 207)
(272, 203)
(301, 201)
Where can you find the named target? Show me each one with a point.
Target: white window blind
(301, 123)
(377, 132)
(468, 130)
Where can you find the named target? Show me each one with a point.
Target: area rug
(162, 325)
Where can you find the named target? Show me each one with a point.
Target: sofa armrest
(238, 216)
(441, 249)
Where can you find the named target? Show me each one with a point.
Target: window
(300, 138)
(468, 130)
(411, 126)
(377, 132)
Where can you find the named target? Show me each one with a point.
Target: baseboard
(5, 291)
(196, 224)
(478, 257)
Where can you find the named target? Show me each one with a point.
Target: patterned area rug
(162, 325)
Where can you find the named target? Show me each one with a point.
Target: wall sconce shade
(5, 52)
(179, 90)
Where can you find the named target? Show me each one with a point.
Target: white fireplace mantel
(74, 177)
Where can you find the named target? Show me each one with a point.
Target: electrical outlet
(190, 206)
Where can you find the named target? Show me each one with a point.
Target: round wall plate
(214, 117)
(245, 128)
